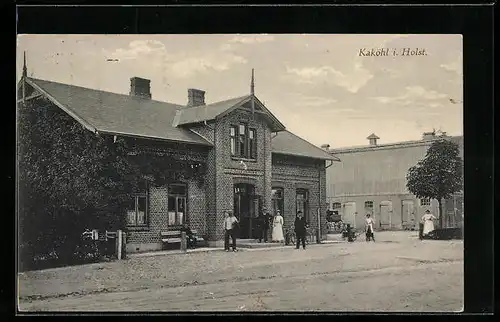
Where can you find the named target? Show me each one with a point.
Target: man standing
(260, 226)
(263, 221)
(369, 223)
(300, 230)
(230, 223)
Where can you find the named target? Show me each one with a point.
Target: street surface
(396, 273)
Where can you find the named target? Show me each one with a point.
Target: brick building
(250, 159)
(372, 179)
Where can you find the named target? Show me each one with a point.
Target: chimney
(140, 87)
(373, 139)
(429, 135)
(196, 97)
(325, 147)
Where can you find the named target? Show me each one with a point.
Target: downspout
(265, 168)
(318, 232)
(215, 180)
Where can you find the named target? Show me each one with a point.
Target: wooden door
(408, 214)
(385, 216)
(350, 214)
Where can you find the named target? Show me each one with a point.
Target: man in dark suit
(263, 225)
(300, 230)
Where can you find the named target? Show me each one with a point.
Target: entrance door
(244, 208)
(350, 214)
(408, 214)
(385, 215)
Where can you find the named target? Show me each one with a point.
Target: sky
(317, 85)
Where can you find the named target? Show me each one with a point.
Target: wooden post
(124, 244)
(119, 244)
(183, 241)
(318, 230)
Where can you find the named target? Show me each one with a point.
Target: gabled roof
(192, 115)
(373, 136)
(207, 112)
(121, 114)
(287, 143)
(117, 113)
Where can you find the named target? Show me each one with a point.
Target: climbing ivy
(70, 178)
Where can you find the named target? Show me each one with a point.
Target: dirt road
(390, 275)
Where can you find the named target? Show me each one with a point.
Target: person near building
(230, 226)
(428, 222)
(369, 224)
(277, 234)
(263, 225)
(190, 237)
(300, 225)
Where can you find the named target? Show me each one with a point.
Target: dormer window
(243, 141)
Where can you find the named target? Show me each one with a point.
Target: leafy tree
(69, 179)
(438, 175)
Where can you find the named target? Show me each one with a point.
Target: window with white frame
(278, 200)
(176, 204)
(243, 141)
(302, 202)
(137, 210)
(425, 202)
(233, 132)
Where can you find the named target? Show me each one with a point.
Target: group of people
(263, 223)
(427, 222)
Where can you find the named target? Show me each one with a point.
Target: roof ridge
(148, 99)
(353, 147)
(103, 91)
(239, 98)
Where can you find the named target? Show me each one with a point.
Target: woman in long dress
(427, 220)
(277, 234)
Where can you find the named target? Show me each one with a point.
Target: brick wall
(206, 204)
(292, 173)
(229, 171)
(149, 238)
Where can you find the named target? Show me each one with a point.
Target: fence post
(124, 245)
(318, 229)
(183, 241)
(118, 245)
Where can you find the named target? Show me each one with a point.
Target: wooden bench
(171, 237)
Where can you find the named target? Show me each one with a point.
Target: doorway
(385, 214)
(350, 214)
(246, 205)
(408, 214)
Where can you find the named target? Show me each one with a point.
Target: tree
(69, 179)
(438, 175)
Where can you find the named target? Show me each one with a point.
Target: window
(425, 202)
(302, 202)
(336, 205)
(137, 211)
(368, 204)
(243, 141)
(278, 200)
(233, 139)
(252, 145)
(176, 204)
